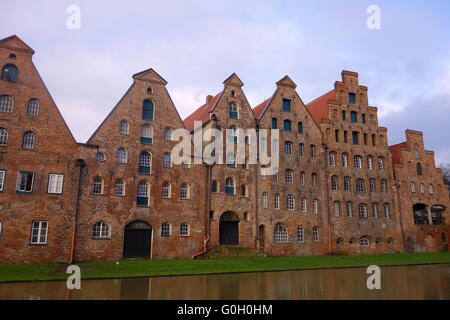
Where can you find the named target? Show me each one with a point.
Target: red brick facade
(121, 195)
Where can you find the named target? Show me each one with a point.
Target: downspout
(325, 148)
(257, 240)
(81, 164)
(399, 212)
(207, 209)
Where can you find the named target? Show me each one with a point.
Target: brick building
(337, 189)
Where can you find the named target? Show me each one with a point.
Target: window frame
(38, 236)
(62, 183)
(32, 181)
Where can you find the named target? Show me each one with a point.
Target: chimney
(208, 99)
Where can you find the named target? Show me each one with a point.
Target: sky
(196, 45)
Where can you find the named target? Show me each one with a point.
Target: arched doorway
(262, 238)
(229, 229)
(410, 244)
(137, 240)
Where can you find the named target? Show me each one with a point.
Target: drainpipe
(81, 164)
(397, 193)
(257, 240)
(207, 210)
(325, 150)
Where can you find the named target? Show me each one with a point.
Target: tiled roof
(259, 109)
(395, 151)
(318, 108)
(201, 114)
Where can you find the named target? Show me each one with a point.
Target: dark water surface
(405, 282)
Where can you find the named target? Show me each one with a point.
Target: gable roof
(233, 80)
(286, 81)
(15, 43)
(150, 75)
(318, 108)
(202, 113)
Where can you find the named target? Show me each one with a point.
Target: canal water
(403, 282)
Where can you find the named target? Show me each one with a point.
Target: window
(352, 242)
(119, 187)
(55, 183)
(373, 140)
(165, 190)
(25, 181)
(374, 210)
(0, 229)
(33, 107)
(6, 104)
(145, 163)
(10, 73)
(413, 187)
(300, 234)
(184, 230)
(230, 159)
(430, 188)
(3, 137)
(168, 134)
(287, 125)
(419, 169)
(100, 230)
(229, 186)
(262, 144)
(300, 127)
(233, 93)
(363, 242)
(166, 161)
(314, 179)
(345, 136)
(358, 162)
(380, 163)
(347, 184)
(233, 110)
(165, 230)
(372, 185)
(302, 178)
(243, 190)
(290, 203)
(286, 105)
(97, 186)
(277, 202)
(121, 156)
(288, 148)
(300, 149)
(185, 165)
(12, 56)
(28, 140)
(383, 186)
(280, 234)
(2, 179)
(336, 135)
(274, 123)
(351, 98)
(263, 173)
(100, 157)
(355, 137)
(184, 194)
(316, 234)
(416, 154)
(304, 208)
(387, 210)
(349, 208)
(312, 151)
(316, 206)
(264, 200)
(123, 128)
(369, 163)
(363, 118)
(149, 90)
(245, 216)
(339, 242)
(289, 176)
(39, 232)
(362, 211)
(344, 160)
(336, 209)
(353, 117)
(146, 134)
(360, 185)
(334, 183)
(343, 115)
(214, 186)
(142, 194)
(332, 159)
(422, 188)
(148, 110)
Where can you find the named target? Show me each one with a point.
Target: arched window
(184, 230)
(146, 134)
(422, 188)
(364, 242)
(97, 186)
(300, 150)
(229, 186)
(413, 187)
(316, 234)
(244, 190)
(6, 104)
(344, 160)
(123, 128)
(316, 206)
(28, 140)
(10, 73)
(166, 161)
(289, 176)
(379, 241)
(304, 208)
(312, 151)
(334, 183)
(374, 210)
(148, 110)
(430, 188)
(387, 210)
(185, 194)
(300, 234)
(119, 187)
(168, 134)
(332, 160)
(339, 242)
(349, 208)
(290, 203)
(380, 163)
(100, 157)
(121, 156)
(416, 153)
(277, 201)
(100, 230)
(214, 186)
(369, 163)
(288, 148)
(143, 193)
(362, 211)
(280, 234)
(145, 161)
(360, 185)
(383, 186)
(233, 110)
(347, 185)
(372, 185)
(419, 169)
(352, 242)
(3, 137)
(33, 107)
(302, 178)
(358, 162)
(166, 190)
(264, 200)
(314, 179)
(336, 208)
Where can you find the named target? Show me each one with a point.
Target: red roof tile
(259, 109)
(201, 114)
(318, 108)
(395, 151)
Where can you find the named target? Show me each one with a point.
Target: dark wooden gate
(137, 240)
(229, 229)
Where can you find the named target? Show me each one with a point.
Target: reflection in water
(413, 282)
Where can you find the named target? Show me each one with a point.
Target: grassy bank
(139, 268)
